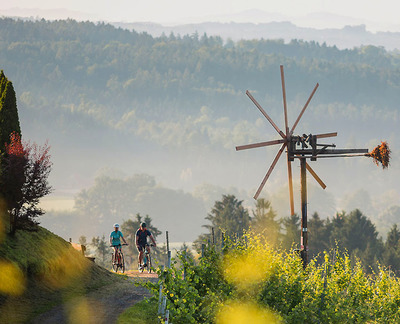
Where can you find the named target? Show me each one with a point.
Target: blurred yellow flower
(83, 311)
(250, 268)
(12, 280)
(244, 313)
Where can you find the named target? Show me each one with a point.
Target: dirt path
(101, 306)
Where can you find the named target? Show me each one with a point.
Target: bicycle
(146, 261)
(118, 261)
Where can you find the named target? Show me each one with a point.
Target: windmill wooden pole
(303, 227)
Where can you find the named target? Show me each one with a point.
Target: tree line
(352, 232)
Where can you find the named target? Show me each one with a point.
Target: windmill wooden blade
(261, 144)
(289, 165)
(265, 114)
(304, 108)
(284, 101)
(325, 135)
(278, 155)
(321, 183)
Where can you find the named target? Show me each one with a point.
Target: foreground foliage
(257, 283)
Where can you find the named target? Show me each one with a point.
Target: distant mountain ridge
(346, 37)
(334, 30)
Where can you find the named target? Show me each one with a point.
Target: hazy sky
(382, 11)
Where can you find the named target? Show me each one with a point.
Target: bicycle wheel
(149, 265)
(114, 263)
(122, 263)
(141, 268)
(144, 262)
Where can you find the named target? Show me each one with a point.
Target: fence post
(166, 317)
(202, 250)
(162, 300)
(160, 297)
(166, 234)
(169, 260)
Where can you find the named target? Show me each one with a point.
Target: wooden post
(169, 259)
(166, 234)
(160, 297)
(202, 250)
(166, 320)
(303, 228)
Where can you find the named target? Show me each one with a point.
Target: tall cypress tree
(10, 187)
(9, 121)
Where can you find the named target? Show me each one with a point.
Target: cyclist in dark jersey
(141, 242)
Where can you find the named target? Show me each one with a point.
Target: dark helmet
(143, 225)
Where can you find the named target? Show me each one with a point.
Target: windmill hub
(306, 146)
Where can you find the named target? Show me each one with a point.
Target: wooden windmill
(300, 147)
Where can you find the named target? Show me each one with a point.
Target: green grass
(144, 312)
(50, 272)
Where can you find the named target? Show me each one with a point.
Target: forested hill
(173, 106)
(88, 65)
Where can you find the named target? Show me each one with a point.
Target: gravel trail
(101, 306)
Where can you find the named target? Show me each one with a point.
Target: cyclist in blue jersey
(141, 242)
(115, 236)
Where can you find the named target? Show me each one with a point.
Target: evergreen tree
(318, 239)
(357, 234)
(391, 253)
(359, 231)
(265, 222)
(336, 229)
(393, 238)
(9, 120)
(291, 228)
(228, 217)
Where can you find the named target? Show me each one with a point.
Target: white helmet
(116, 225)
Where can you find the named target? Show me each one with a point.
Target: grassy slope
(45, 271)
(144, 312)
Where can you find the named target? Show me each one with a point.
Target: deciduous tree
(24, 180)
(102, 248)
